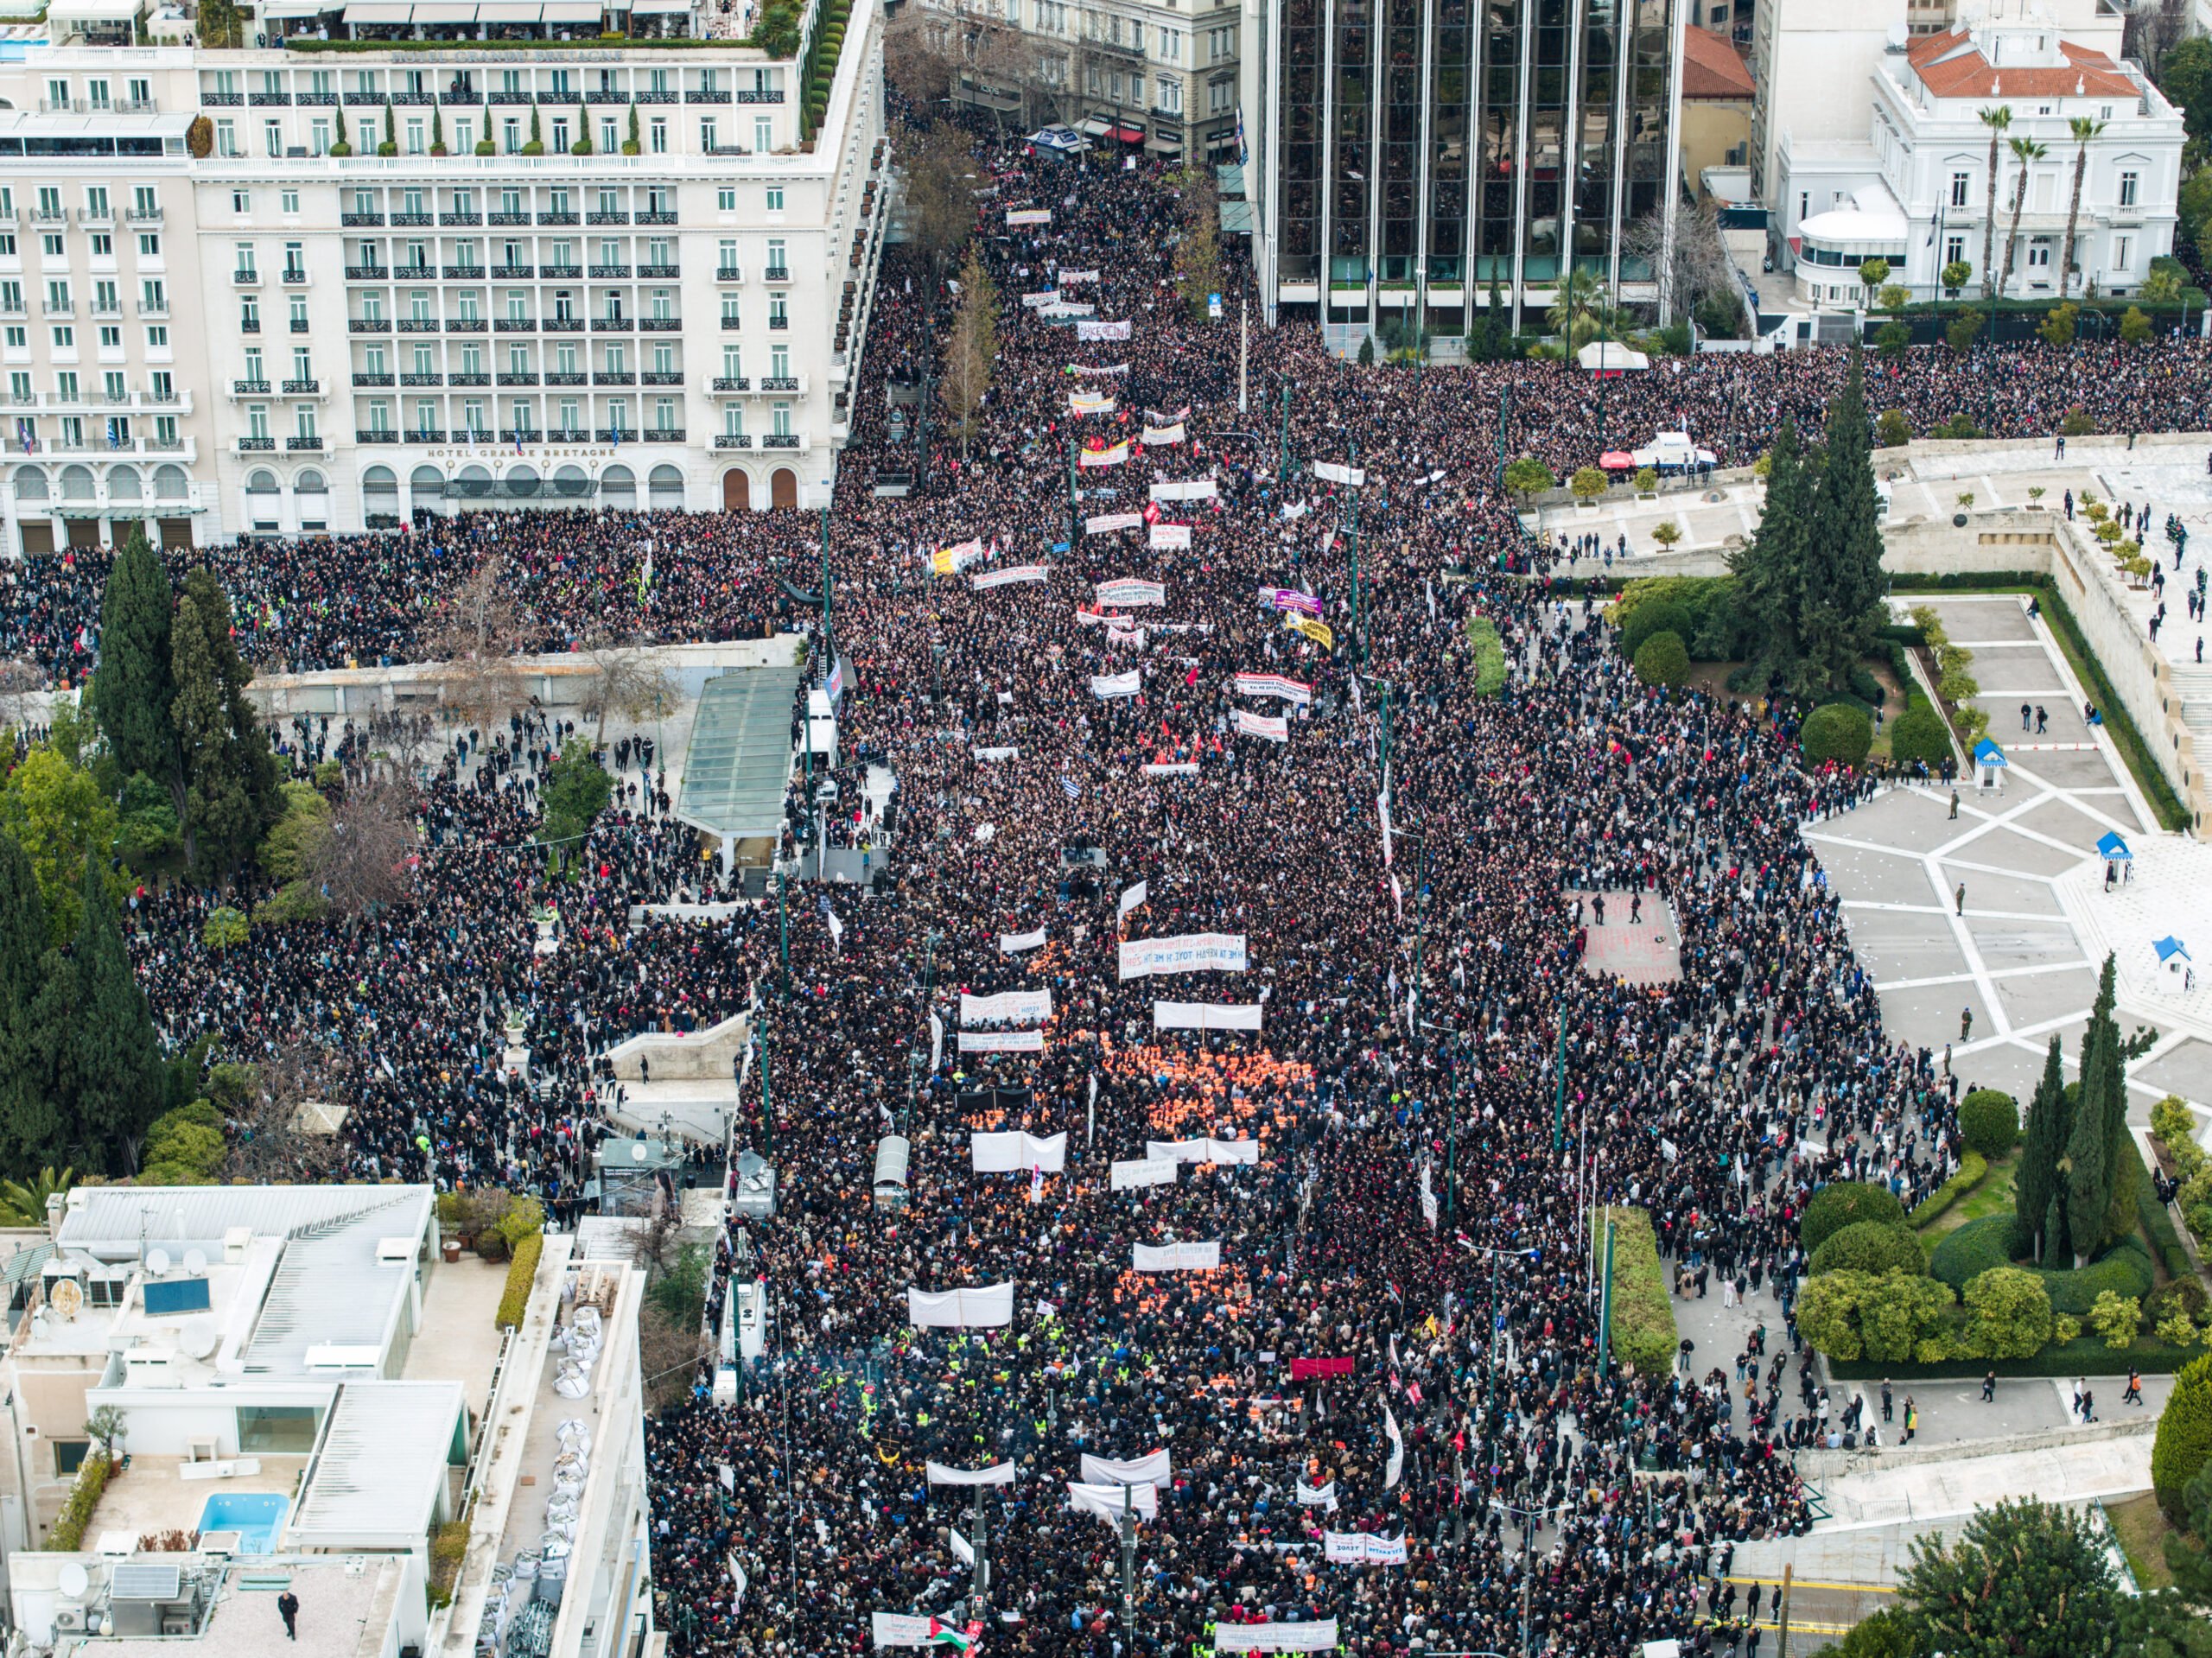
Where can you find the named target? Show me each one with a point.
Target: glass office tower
(1414, 152)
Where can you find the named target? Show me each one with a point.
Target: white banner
(1002, 1042)
(1109, 686)
(996, 1474)
(1133, 1172)
(1168, 536)
(1108, 1501)
(1205, 1016)
(1189, 489)
(897, 1629)
(1127, 638)
(1206, 1151)
(1090, 403)
(985, 1308)
(1013, 943)
(1087, 332)
(1310, 1496)
(1391, 1475)
(1010, 1152)
(1118, 368)
(1296, 692)
(1177, 1257)
(1113, 457)
(1009, 575)
(1330, 471)
(1061, 308)
(1049, 297)
(1318, 1634)
(1107, 523)
(997, 753)
(1162, 434)
(739, 1581)
(1068, 276)
(959, 556)
(1274, 727)
(1131, 897)
(936, 1041)
(1007, 1005)
(1172, 769)
(960, 1545)
(1382, 814)
(1029, 216)
(1154, 1470)
(1362, 1548)
(1130, 592)
(1187, 952)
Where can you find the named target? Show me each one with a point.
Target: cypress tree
(114, 1066)
(131, 694)
(1769, 567)
(2088, 1145)
(2034, 1183)
(2111, 1081)
(1843, 589)
(230, 776)
(30, 1128)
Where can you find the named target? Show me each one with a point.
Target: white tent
(1610, 357)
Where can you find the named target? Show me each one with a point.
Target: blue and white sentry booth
(1989, 765)
(2176, 968)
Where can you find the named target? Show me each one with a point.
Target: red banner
(1300, 1370)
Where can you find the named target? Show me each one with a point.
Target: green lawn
(1992, 1197)
(2142, 1527)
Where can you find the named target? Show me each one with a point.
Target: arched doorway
(617, 490)
(737, 491)
(783, 487)
(666, 488)
(426, 489)
(380, 498)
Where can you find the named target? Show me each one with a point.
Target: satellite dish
(68, 1300)
(157, 1262)
(74, 1580)
(195, 1262)
(198, 1337)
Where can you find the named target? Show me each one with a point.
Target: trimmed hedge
(1664, 660)
(1490, 655)
(522, 1272)
(1990, 1120)
(2001, 1241)
(1838, 732)
(2184, 1440)
(1640, 621)
(1963, 1255)
(1643, 1333)
(1840, 1203)
(69, 1527)
(1875, 1246)
(2165, 1240)
(1974, 1169)
(2085, 1356)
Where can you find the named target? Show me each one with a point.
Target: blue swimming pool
(257, 1516)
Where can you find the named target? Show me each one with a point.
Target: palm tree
(23, 1203)
(2027, 152)
(1576, 302)
(2084, 130)
(1997, 120)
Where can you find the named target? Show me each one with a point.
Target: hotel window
(2128, 183)
(1959, 184)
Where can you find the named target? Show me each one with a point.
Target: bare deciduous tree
(916, 58)
(940, 197)
(361, 859)
(19, 683)
(1696, 268)
(628, 680)
(268, 1138)
(474, 637)
(971, 350)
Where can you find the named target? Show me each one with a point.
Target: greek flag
(1070, 787)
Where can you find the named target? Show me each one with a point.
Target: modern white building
(1913, 188)
(606, 273)
(307, 1391)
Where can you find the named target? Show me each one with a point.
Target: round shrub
(2184, 1440)
(1841, 1203)
(1990, 1120)
(2010, 1314)
(1994, 1241)
(2124, 1270)
(1918, 734)
(1664, 660)
(1640, 622)
(1871, 1247)
(1836, 731)
(2184, 1295)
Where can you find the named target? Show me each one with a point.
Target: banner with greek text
(985, 1308)
(1128, 593)
(1049, 296)
(1167, 536)
(1130, 1172)
(1006, 1006)
(996, 1474)
(1318, 1635)
(1205, 1016)
(1091, 403)
(1013, 943)
(1065, 307)
(1020, 216)
(1002, 1042)
(1107, 523)
(1309, 1496)
(1154, 1470)
(1189, 952)
(1206, 1151)
(1187, 489)
(997, 753)
(1362, 1548)
(1291, 599)
(1013, 1153)
(1068, 276)
(1113, 457)
(1118, 368)
(1129, 639)
(1109, 686)
(1318, 631)
(1296, 692)
(1177, 1257)
(1091, 331)
(1274, 727)
(1172, 769)
(1162, 434)
(1008, 576)
(949, 561)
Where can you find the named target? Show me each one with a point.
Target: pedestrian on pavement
(1911, 1419)
(287, 1608)
(1966, 1022)
(1989, 1387)
(2042, 721)
(1887, 1415)
(2089, 1407)
(1955, 805)
(2077, 1395)
(2134, 1393)
(1960, 895)
(2027, 714)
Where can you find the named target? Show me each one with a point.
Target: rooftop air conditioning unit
(235, 1240)
(398, 1249)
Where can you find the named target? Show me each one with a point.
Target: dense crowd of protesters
(1440, 1092)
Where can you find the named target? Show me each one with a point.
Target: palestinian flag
(944, 1636)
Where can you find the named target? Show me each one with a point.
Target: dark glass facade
(1430, 147)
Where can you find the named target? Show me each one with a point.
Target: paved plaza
(1994, 981)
